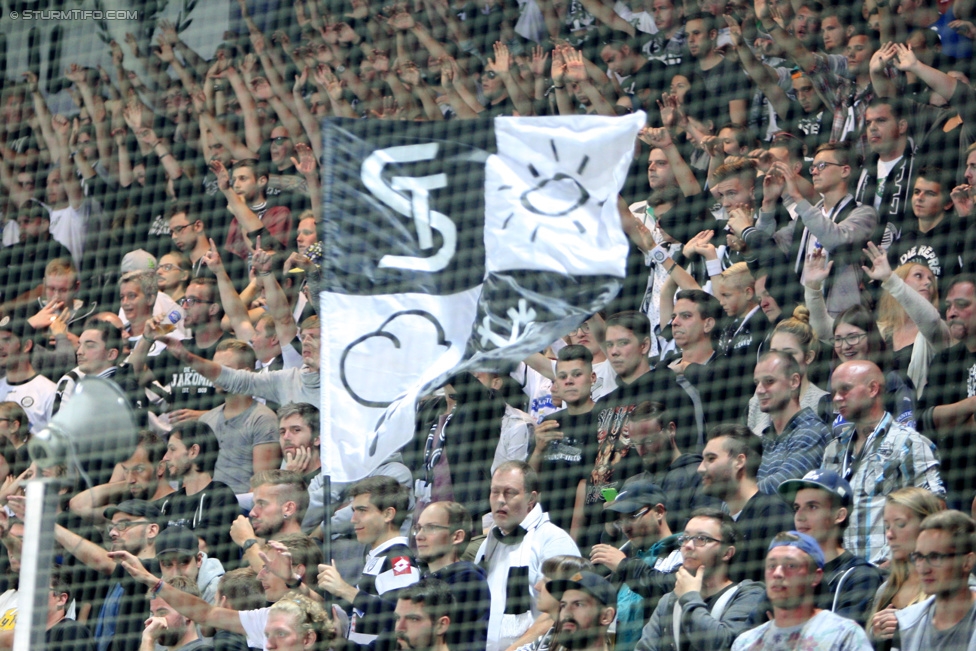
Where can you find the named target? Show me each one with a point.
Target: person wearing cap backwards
(644, 566)
(821, 502)
(587, 606)
(706, 610)
(794, 569)
(178, 553)
(22, 383)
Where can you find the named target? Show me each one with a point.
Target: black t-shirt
(722, 84)
(564, 463)
(760, 520)
(188, 389)
(942, 249)
(952, 378)
(69, 635)
(209, 513)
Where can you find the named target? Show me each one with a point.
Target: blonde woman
(909, 320)
(903, 514)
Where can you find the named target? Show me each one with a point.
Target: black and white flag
(451, 247)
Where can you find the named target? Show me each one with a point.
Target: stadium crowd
(763, 442)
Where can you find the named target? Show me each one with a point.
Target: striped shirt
(793, 453)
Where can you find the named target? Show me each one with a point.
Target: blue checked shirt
(894, 456)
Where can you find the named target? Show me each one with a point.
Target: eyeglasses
(584, 328)
(822, 165)
(125, 525)
(699, 540)
(168, 266)
(637, 515)
(935, 559)
(428, 529)
(491, 74)
(852, 339)
(190, 301)
(178, 230)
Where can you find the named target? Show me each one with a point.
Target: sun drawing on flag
(553, 197)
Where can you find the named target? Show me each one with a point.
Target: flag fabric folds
(447, 250)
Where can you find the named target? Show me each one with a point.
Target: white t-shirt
(69, 226)
(253, 622)
(36, 397)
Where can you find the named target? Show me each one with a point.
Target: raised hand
(575, 66)
(401, 22)
(223, 177)
(166, 54)
(817, 269)
(76, 74)
(117, 55)
(502, 62)
(880, 268)
(61, 126)
(168, 32)
(132, 114)
(735, 31)
(538, 64)
(905, 60)
(31, 79)
(408, 73)
(300, 80)
(656, 137)
(558, 71)
(212, 258)
(306, 159)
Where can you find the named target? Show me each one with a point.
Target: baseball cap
(636, 496)
(140, 508)
(801, 541)
(138, 260)
(592, 584)
(176, 539)
(827, 480)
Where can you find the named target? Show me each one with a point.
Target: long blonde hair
(922, 503)
(891, 315)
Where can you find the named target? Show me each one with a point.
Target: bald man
(875, 454)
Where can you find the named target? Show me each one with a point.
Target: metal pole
(37, 558)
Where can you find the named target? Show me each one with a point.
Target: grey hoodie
(699, 631)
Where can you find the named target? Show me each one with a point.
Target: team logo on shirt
(26, 402)
(401, 565)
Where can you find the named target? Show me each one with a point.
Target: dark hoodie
(849, 586)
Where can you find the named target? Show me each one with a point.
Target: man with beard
(142, 478)
(245, 190)
(423, 616)
(728, 469)
(587, 607)
(793, 570)
(133, 529)
(713, 609)
(654, 432)
(280, 501)
(167, 628)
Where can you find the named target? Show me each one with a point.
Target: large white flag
(449, 250)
